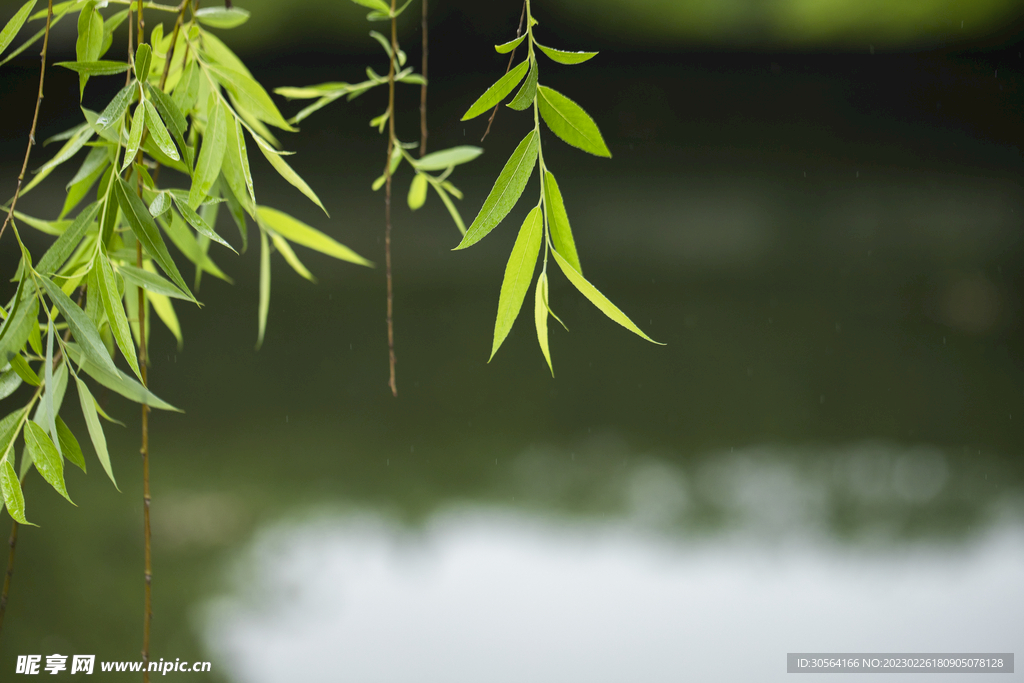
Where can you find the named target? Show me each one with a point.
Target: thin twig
(35, 119)
(423, 88)
(392, 382)
(13, 540)
(511, 58)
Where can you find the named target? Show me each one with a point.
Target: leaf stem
(392, 382)
(35, 118)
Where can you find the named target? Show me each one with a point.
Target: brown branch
(35, 119)
(392, 382)
(13, 540)
(511, 58)
(423, 88)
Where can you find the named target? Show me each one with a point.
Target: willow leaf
(222, 17)
(518, 274)
(159, 131)
(135, 137)
(558, 222)
(14, 499)
(69, 446)
(597, 298)
(567, 120)
(70, 149)
(197, 222)
(289, 174)
(82, 328)
(417, 191)
(9, 382)
(446, 158)
(528, 92)
(378, 5)
(264, 306)
(14, 25)
(563, 57)
(90, 41)
(507, 190)
(92, 423)
(101, 68)
(298, 232)
(112, 113)
(111, 300)
(46, 458)
(289, 256)
(446, 200)
(211, 154)
(236, 165)
(145, 229)
(497, 92)
(250, 96)
(505, 48)
(61, 249)
(540, 317)
(117, 381)
(151, 282)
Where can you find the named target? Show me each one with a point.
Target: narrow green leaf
(21, 366)
(417, 191)
(597, 298)
(48, 405)
(540, 318)
(250, 96)
(110, 24)
(60, 250)
(567, 120)
(383, 42)
(528, 92)
(197, 222)
(298, 232)
(236, 163)
(82, 328)
(187, 243)
(101, 68)
(21, 317)
(264, 305)
(14, 499)
(9, 381)
(222, 17)
(135, 137)
(111, 300)
(378, 5)
(558, 222)
(160, 204)
(497, 92)
(446, 158)
(187, 89)
(92, 423)
(14, 25)
(160, 135)
(145, 229)
(286, 171)
(112, 113)
(89, 45)
(46, 458)
(211, 154)
(505, 48)
(518, 274)
(151, 282)
(169, 112)
(70, 149)
(289, 256)
(69, 446)
(10, 426)
(507, 190)
(118, 381)
(97, 158)
(563, 57)
(439, 188)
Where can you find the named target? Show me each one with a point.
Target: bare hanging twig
(511, 58)
(423, 88)
(392, 382)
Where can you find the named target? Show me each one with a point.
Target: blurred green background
(817, 205)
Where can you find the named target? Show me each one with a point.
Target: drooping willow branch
(13, 539)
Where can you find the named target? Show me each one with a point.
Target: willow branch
(35, 118)
(511, 58)
(423, 88)
(392, 382)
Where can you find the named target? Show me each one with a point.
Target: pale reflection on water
(483, 593)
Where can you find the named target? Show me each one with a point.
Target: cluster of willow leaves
(190, 106)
